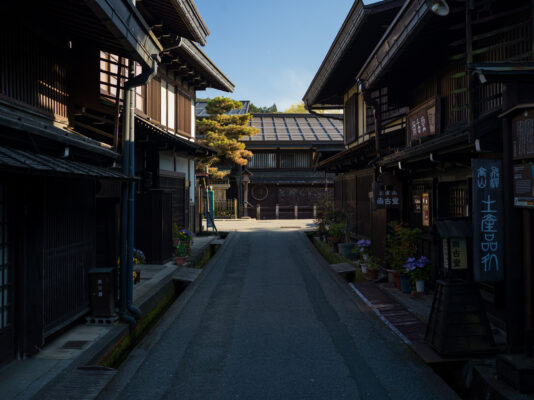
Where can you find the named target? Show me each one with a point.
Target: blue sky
(272, 49)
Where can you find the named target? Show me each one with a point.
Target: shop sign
(487, 220)
(422, 121)
(523, 185)
(417, 204)
(458, 247)
(523, 136)
(386, 196)
(426, 209)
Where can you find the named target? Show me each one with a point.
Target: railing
(226, 208)
(282, 212)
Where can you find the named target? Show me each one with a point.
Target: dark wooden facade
(282, 167)
(60, 142)
(461, 71)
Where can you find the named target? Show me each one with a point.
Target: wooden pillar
(277, 211)
(296, 212)
(314, 211)
(513, 258)
(258, 212)
(527, 278)
(245, 199)
(235, 208)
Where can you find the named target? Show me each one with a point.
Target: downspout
(128, 191)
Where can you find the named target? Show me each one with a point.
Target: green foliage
(296, 108)
(337, 231)
(401, 244)
(263, 110)
(222, 132)
(181, 250)
(221, 105)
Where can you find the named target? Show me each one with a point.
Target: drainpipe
(128, 192)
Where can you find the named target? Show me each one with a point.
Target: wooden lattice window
(263, 160)
(109, 75)
(294, 159)
(458, 200)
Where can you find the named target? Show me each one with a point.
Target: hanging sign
(426, 209)
(422, 121)
(458, 248)
(417, 204)
(488, 224)
(386, 196)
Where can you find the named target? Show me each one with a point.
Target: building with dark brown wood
(283, 182)
(437, 116)
(63, 68)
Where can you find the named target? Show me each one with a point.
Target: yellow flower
(135, 261)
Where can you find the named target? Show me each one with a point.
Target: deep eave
(182, 144)
(178, 17)
(349, 51)
(214, 77)
(403, 26)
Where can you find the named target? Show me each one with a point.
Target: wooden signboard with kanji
(422, 121)
(488, 220)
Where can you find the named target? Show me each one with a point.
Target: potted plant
(175, 239)
(421, 273)
(181, 254)
(372, 269)
(185, 238)
(336, 232)
(364, 247)
(401, 244)
(406, 275)
(138, 260)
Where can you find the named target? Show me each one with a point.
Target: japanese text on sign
(488, 221)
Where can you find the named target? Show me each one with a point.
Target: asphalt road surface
(267, 320)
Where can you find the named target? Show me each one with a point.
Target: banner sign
(386, 196)
(488, 224)
(422, 121)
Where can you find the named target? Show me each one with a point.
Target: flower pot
(391, 276)
(420, 286)
(405, 283)
(396, 275)
(345, 249)
(363, 267)
(372, 273)
(180, 260)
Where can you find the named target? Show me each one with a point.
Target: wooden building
(60, 144)
(424, 105)
(283, 182)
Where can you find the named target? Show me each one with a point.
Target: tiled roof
(41, 163)
(201, 109)
(296, 128)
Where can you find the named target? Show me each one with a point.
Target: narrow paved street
(267, 320)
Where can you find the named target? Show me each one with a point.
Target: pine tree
(222, 132)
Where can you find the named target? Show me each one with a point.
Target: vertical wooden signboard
(488, 224)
